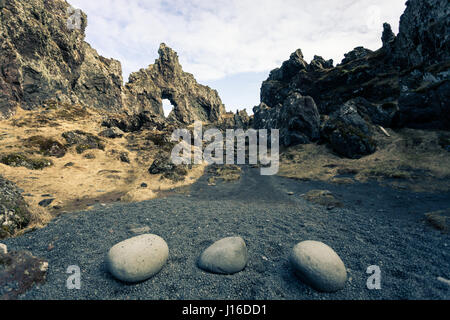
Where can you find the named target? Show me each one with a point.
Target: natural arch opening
(167, 107)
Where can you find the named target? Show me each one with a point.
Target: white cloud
(224, 37)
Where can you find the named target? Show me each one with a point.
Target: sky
(232, 45)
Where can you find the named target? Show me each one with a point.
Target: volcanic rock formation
(44, 61)
(403, 84)
(165, 79)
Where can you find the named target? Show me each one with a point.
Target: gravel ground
(377, 226)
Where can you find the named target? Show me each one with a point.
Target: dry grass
(74, 181)
(412, 159)
(323, 198)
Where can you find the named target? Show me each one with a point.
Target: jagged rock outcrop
(404, 83)
(43, 60)
(424, 34)
(422, 48)
(165, 79)
(237, 120)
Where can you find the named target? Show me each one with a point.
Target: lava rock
(112, 133)
(323, 198)
(14, 211)
(225, 256)
(298, 119)
(46, 202)
(163, 165)
(22, 160)
(348, 133)
(138, 258)
(47, 146)
(83, 141)
(319, 266)
(49, 60)
(124, 157)
(165, 79)
(19, 272)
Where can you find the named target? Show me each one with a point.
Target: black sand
(378, 226)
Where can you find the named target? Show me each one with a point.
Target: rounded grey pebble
(225, 256)
(137, 259)
(319, 266)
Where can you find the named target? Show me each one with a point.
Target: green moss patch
(21, 160)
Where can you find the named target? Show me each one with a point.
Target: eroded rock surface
(19, 272)
(43, 61)
(403, 84)
(165, 79)
(14, 213)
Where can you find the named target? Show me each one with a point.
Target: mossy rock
(20, 160)
(47, 146)
(227, 172)
(83, 141)
(323, 198)
(179, 173)
(14, 213)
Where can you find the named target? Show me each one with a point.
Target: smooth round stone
(319, 266)
(226, 256)
(138, 258)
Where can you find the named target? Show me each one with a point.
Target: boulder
(83, 141)
(225, 256)
(46, 202)
(14, 211)
(297, 119)
(46, 146)
(348, 133)
(138, 258)
(164, 165)
(319, 266)
(22, 160)
(19, 272)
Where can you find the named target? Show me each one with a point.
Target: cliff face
(43, 60)
(424, 35)
(404, 83)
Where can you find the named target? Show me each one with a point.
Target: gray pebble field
(377, 226)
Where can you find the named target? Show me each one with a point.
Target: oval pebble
(225, 256)
(319, 266)
(137, 259)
